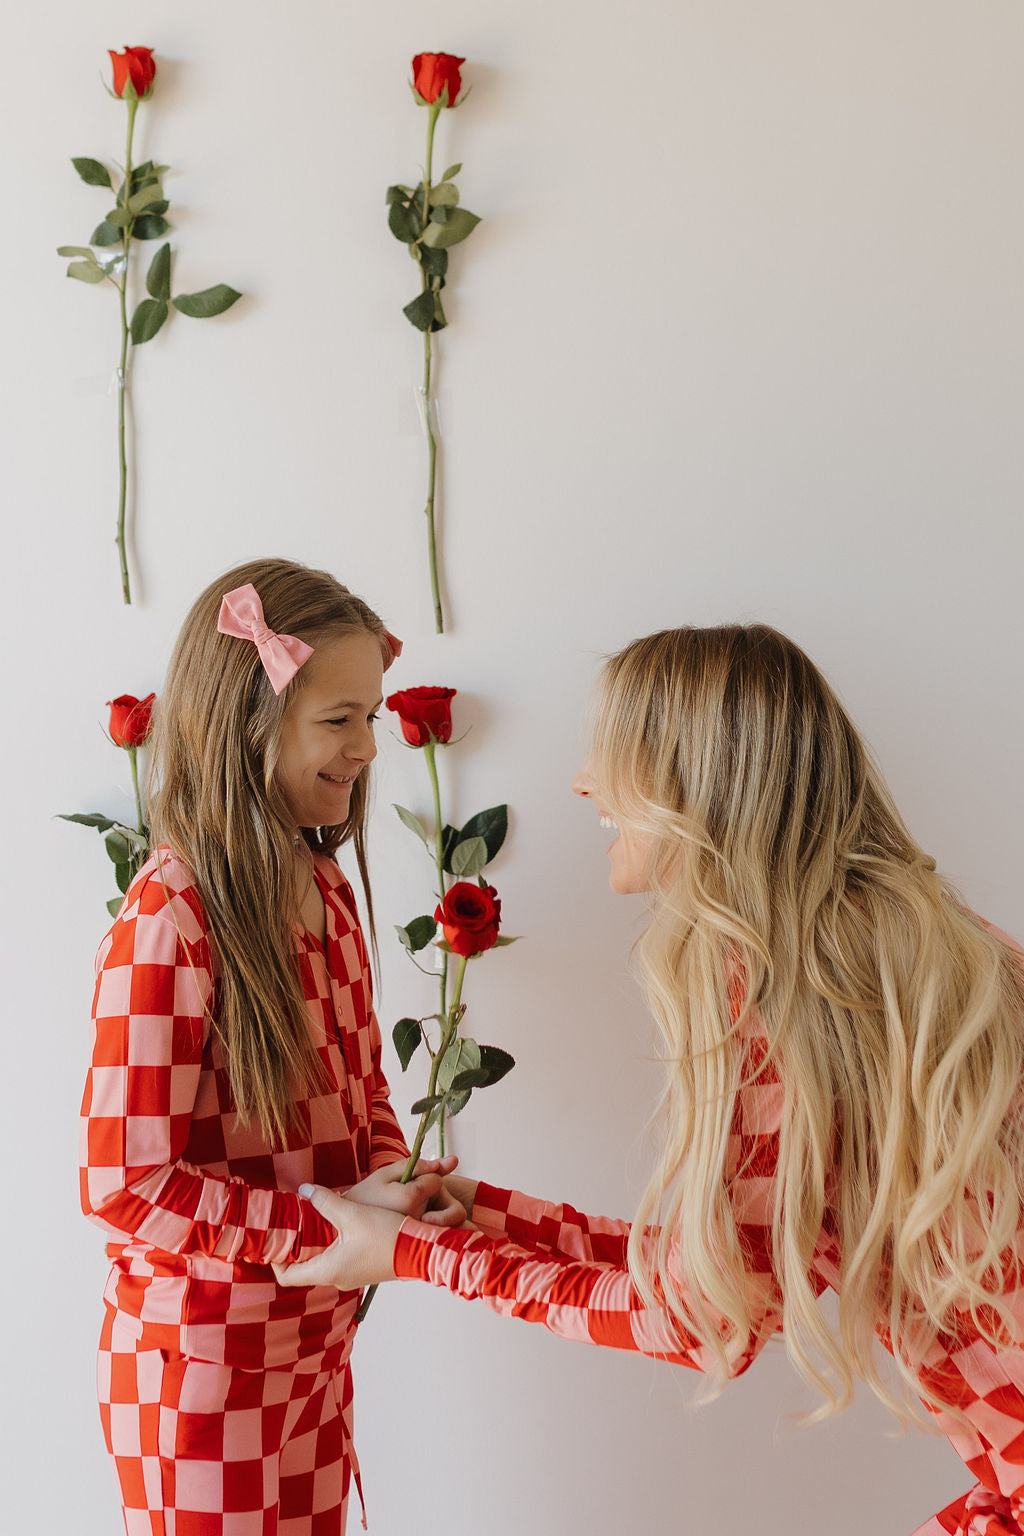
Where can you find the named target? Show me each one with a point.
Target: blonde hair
(893, 1018)
(215, 802)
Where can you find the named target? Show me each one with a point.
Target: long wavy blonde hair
(214, 800)
(893, 1018)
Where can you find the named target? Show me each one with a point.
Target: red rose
(131, 719)
(433, 73)
(424, 713)
(470, 916)
(136, 65)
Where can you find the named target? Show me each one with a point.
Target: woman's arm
(538, 1226)
(153, 991)
(592, 1302)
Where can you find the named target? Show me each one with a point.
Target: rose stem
(451, 1026)
(428, 412)
(429, 749)
(132, 102)
(132, 758)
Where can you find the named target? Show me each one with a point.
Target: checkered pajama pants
(210, 1450)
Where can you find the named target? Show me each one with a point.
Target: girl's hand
(361, 1254)
(425, 1190)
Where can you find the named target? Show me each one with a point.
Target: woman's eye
(371, 719)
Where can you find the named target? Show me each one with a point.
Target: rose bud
(136, 65)
(131, 719)
(470, 917)
(425, 714)
(435, 73)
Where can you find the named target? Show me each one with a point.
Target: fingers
(446, 1213)
(325, 1201)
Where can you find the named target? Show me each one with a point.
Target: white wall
(740, 337)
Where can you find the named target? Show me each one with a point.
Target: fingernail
(306, 1191)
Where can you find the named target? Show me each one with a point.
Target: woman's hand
(363, 1251)
(460, 1194)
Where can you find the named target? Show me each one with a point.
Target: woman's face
(629, 852)
(327, 732)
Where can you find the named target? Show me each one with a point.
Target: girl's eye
(372, 718)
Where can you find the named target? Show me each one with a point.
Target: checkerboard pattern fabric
(208, 1450)
(551, 1264)
(198, 1207)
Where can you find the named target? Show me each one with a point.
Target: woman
(844, 1045)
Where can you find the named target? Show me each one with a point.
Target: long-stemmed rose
(130, 725)
(468, 913)
(138, 214)
(428, 220)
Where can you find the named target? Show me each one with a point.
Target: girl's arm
(153, 990)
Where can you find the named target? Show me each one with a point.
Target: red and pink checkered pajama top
(197, 1206)
(550, 1264)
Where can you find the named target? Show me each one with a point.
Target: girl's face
(327, 732)
(629, 851)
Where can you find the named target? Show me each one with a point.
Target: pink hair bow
(394, 646)
(241, 615)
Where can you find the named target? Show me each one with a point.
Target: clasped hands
(368, 1216)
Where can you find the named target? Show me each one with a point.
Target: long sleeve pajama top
(196, 1206)
(551, 1264)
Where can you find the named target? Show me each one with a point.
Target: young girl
(844, 1048)
(235, 1055)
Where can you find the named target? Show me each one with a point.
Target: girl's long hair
(893, 1017)
(215, 802)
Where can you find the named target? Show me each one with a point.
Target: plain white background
(740, 337)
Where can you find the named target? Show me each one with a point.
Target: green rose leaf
(422, 1106)
(440, 215)
(469, 857)
(444, 195)
(420, 312)
(148, 194)
(434, 263)
(89, 819)
(403, 223)
(457, 226)
(147, 320)
(158, 278)
(453, 170)
(456, 1102)
(123, 876)
(477, 1077)
(419, 933)
(150, 226)
(86, 271)
(491, 825)
(119, 217)
(439, 321)
(105, 234)
(449, 838)
(75, 250)
(505, 938)
(495, 1062)
(114, 905)
(117, 848)
(461, 1056)
(406, 1035)
(398, 194)
(91, 171)
(413, 823)
(207, 303)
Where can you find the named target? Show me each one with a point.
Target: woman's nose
(583, 784)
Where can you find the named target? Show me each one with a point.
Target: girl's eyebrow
(351, 704)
